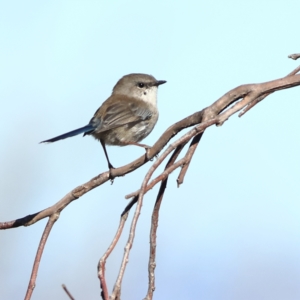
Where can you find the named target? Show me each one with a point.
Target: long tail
(85, 129)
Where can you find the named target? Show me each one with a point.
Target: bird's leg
(110, 166)
(146, 147)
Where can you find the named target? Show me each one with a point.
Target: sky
(231, 231)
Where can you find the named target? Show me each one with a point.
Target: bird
(126, 117)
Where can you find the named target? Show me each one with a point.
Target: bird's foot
(147, 154)
(111, 177)
(110, 166)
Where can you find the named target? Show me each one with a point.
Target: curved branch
(104, 177)
(248, 91)
(189, 155)
(200, 128)
(242, 97)
(39, 254)
(102, 261)
(154, 225)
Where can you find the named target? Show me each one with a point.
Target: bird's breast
(132, 132)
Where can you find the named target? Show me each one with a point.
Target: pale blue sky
(231, 231)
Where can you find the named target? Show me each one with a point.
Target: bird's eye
(140, 85)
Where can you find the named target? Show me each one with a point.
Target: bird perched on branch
(126, 117)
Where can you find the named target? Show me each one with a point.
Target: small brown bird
(126, 117)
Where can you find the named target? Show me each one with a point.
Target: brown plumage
(126, 117)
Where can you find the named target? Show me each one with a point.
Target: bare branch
(254, 102)
(249, 91)
(102, 261)
(193, 146)
(154, 225)
(104, 177)
(242, 98)
(117, 288)
(39, 254)
(294, 56)
(159, 178)
(67, 292)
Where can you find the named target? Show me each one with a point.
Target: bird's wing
(120, 113)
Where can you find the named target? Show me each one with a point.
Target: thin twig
(294, 72)
(294, 56)
(39, 254)
(158, 179)
(189, 155)
(102, 261)
(154, 225)
(259, 99)
(67, 292)
(201, 127)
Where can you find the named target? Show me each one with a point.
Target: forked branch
(242, 99)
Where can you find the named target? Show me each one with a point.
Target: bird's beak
(159, 82)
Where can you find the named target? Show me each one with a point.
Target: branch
(104, 177)
(193, 146)
(67, 292)
(102, 261)
(254, 102)
(294, 56)
(249, 92)
(39, 254)
(242, 98)
(200, 128)
(154, 225)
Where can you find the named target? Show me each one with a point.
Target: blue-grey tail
(86, 129)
